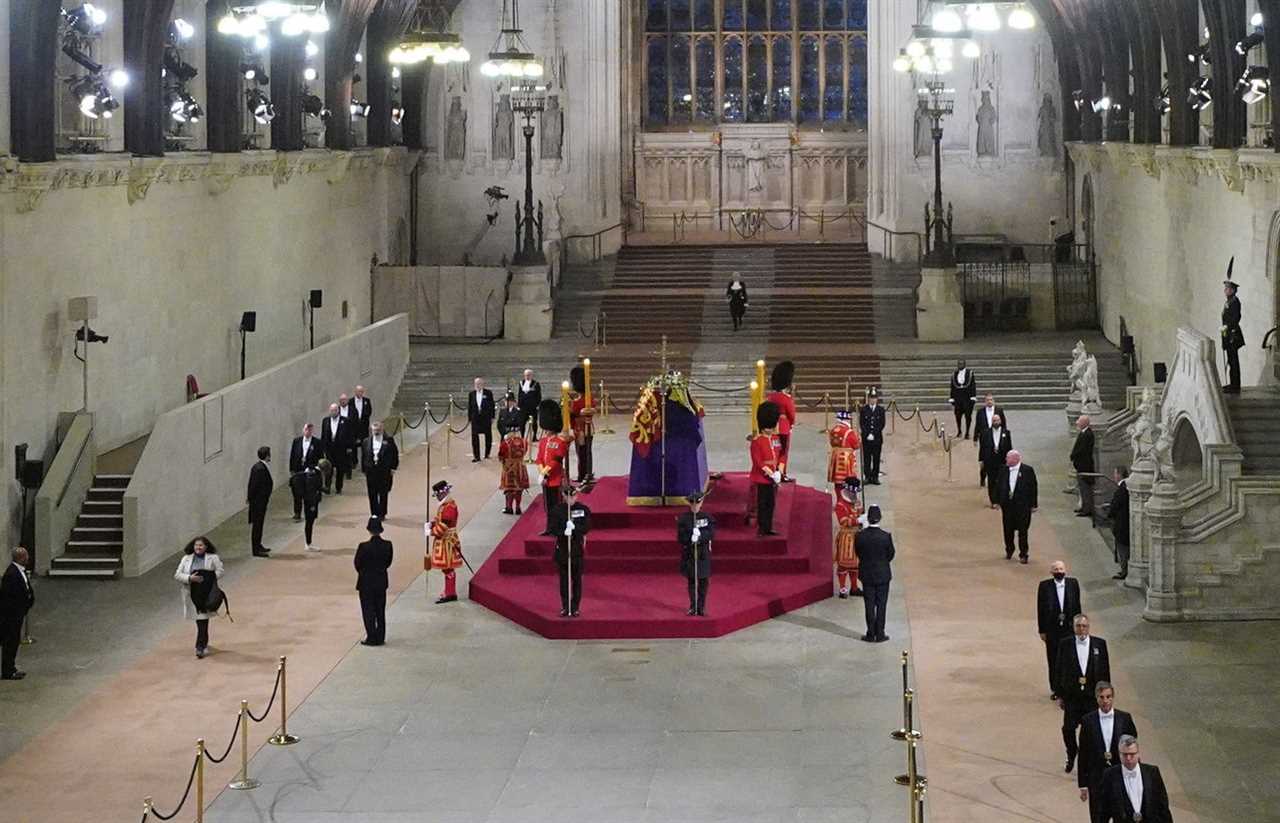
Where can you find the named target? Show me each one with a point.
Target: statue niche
(504, 125)
(455, 131)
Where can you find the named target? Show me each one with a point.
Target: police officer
(1232, 336)
(871, 421)
(570, 521)
(694, 530)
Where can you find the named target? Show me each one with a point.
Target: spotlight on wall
(1161, 103)
(311, 48)
(1199, 95)
(902, 62)
(397, 114)
(85, 19)
(259, 106)
(1251, 40)
(1254, 85)
(180, 29)
(1256, 19)
(313, 106)
(1102, 104)
(359, 109)
(1077, 99)
(183, 108)
(95, 98)
(1199, 54)
(308, 74)
(177, 68)
(254, 71)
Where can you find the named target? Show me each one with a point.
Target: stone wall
(175, 250)
(1008, 182)
(443, 301)
(1164, 223)
(473, 142)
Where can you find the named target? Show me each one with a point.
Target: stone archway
(1188, 454)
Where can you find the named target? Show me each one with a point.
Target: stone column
(939, 309)
(1141, 477)
(892, 100)
(528, 313)
(1164, 518)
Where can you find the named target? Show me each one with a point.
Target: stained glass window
(797, 61)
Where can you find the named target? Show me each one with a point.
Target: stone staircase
(1255, 419)
(96, 544)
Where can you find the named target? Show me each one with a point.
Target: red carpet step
(632, 587)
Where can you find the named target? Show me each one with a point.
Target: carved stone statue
(757, 162)
(455, 131)
(1076, 370)
(504, 125)
(923, 129)
(986, 127)
(552, 141)
(1143, 431)
(1163, 455)
(1047, 129)
(1090, 395)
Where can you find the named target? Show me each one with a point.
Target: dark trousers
(1075, 708)
(379, 490)
(1085, 485)
(583, 451)
(698, 600)
(202, 634)
(297, 501)
(565, 579)
(10, 639)
(341, 469)
(312, 512)
(1051, 641)
(373, 608)
(1233, 369)
(1122, 555)
(476, 431)
(987, 476)
(766, 496)
(736, 314)
(963, 412)
(256, 519)
(1011, 527)
(875, 599)
(871, 459)
(353, 456)
(550, 499)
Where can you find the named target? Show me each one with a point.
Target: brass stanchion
(448, 433)
(27, 639)
(282, 737)
(912, 779)
(893, 416)
(826, 413)
(848, 401)
(146, 807)
(200, 780)
(918, 427)
(920, 792)
(907, 730)
(244, 781)
(604, 411)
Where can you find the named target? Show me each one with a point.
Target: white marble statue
(1143, 431)
(1076, 370)
(1090, 395)
(1163, 455)
(455, 132)
(923, 130)
(986, 119)
(757, 162)
(552, 122)
(504, 130)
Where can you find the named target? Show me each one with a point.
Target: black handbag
(207, 596)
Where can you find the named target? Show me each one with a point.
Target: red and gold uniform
(786, 419)
(553, 450)
(446, 548)
(842, 461)
(580, 421)
(846, 560)
(514, 478)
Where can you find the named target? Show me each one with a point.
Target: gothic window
(758, 61)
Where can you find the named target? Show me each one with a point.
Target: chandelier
(429, 38)
(252, 21)
(958, 14)
(510, 55)
(931, 51)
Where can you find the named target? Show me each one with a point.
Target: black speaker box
(1126, 343)
(1161, 372)
(316, 300)
(249, 321)
(19, 460)
(32, 473)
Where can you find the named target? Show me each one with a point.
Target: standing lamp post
(938, 228)
(528, 101)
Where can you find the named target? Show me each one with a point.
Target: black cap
(374, 526)
(851, 484)
(569, 490)
(872, 392)
(694, 496)
(873, 513)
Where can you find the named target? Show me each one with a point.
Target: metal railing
(597, 242)
(890, 238)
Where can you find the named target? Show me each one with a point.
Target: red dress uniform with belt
(583, 433)
(764, 462)
(553, 450)
(514, 478)
(846, 558)
(842, 462)
(787, 418)
(446, 548)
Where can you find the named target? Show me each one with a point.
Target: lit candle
(760, 378)
(751, 406)
(586, 367)
(564, 406)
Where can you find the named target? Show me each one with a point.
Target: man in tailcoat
(372, 560)
(1082, 663)
(1057, 604)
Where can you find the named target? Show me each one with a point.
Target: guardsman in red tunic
(765, 471)
(845, 442)
(553, 451)
(780, 382)
(848, 512)
(446, 549)
(515, 476)
(580, 420)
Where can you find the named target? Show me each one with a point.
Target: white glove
(870, 437)
(777, 477)
(697, 534)
(863, 522)
(568, 529)
(426, 528)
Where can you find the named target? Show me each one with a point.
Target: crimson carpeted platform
(632, 587)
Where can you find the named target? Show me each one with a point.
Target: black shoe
(475, 460)
(856, 593)
(788, 480)
(1231, 390)
(884, 638)
(770, 533)
(1008, 555)
(200, 652)
(507, 511)
(518, 511)
(262, 552)
(446, 598)
(564, 612)
(297, 518)
(366, 642)
(1119, 576)
(866, 638)
(575, 614)
(1023, 560)
(843, 596)
(691, 613)
(1084, 514)
(545, 534)
(14, 676)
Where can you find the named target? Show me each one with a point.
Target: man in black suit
(528, 396)
(305, 453)
(871, 423)
(1082, 462)
(1133, 792)
(1057, 604)
(258, 496)
(963, 391)
(993, 449)
(335, 442)
(570, 521)
(480, 412)
(1232, 335)
(1018, 496)
(1082, 663)
(982, 424)
(379, 459)
(874, 547)
(1119, 511)
(361, 414)
(16, 599)
(509, 416)
(1100, 733)
(373, 558)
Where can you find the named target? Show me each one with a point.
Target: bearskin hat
(578, 379)
(784, 375)
(549, 417)
(767, 414)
